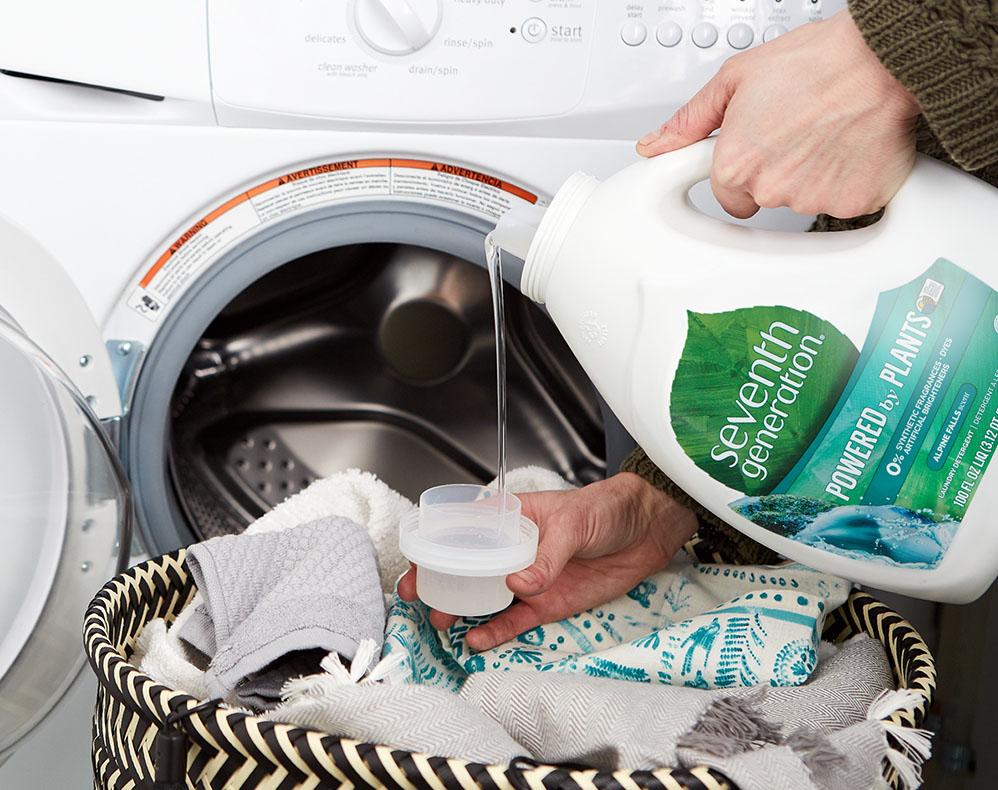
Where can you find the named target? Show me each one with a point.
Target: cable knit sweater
(946, 53)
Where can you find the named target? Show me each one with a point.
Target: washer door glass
(64, 516)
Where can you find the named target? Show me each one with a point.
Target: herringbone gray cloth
(416, 718)
(774, 767)
(611, 724)
(315, 586)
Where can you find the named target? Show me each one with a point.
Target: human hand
(811, 120)
(596, 543)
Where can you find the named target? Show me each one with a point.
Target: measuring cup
(465, 540)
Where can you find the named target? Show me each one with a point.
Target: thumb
(692, 122)
(557, 546)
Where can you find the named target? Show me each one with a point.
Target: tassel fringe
(907, 748)
(335, 675)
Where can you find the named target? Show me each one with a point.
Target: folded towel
(693, 624)
(268, 595)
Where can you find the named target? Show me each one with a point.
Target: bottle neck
(554, 228)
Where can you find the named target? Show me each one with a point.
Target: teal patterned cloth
(697, 625)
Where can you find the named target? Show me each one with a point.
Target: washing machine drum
(372, 356)
(63, 515)
(358, 334)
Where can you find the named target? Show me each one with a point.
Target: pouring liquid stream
(493, 257)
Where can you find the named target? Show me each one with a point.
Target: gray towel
(744, 732)
(267, 595)
(263, 690)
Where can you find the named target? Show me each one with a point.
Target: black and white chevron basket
(217, 748)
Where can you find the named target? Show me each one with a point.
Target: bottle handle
(675, 173)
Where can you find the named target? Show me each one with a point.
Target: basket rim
(861, 613)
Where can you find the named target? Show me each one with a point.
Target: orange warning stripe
(190, 233)
(330, 167)
(464, 172)
(413, 164)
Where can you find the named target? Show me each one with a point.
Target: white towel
(358, 496)
(161, 655)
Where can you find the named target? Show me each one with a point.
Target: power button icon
(534, 30)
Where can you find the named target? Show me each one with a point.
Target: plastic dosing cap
(465, 540)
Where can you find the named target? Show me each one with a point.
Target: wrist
(669, 523)
(891, 94)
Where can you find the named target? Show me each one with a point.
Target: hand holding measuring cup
(595, 544)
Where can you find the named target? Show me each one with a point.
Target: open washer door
(64, 509)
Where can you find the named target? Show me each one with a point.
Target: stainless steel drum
(374, 356)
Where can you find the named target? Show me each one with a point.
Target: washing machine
(241, 247)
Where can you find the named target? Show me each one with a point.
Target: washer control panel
(481, 61)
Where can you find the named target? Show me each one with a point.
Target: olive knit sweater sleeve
(946, 53)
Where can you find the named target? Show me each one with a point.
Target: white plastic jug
(832, 395)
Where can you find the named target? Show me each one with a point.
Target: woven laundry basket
(231, 749)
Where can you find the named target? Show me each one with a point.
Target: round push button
(704, 35)
(740, 35)
(773, 31)
(669, 34)
(534, 30)
(633, 33)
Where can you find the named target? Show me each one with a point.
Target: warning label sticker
(309, 188)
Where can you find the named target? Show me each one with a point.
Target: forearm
(946, 54)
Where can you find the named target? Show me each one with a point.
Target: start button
(534, 30)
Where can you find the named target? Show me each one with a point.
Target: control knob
(397, 27)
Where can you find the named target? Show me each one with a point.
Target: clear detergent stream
(466, 539)
(493, 257)
(832, 395)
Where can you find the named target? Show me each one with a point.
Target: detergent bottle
(834, 396)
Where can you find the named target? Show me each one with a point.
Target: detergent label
(875, 453)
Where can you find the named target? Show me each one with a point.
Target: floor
(57, 755)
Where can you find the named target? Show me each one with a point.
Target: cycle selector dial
(397, 27)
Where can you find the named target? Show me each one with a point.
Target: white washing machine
(238, 249)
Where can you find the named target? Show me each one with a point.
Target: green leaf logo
(752, 390)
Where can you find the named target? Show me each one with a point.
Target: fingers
(407, 585)
(514, 621)
(536, 506)
(734, 173)
(407, 592)
(694, 121)
(734, 198)
(557, 546)
(441, 620)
